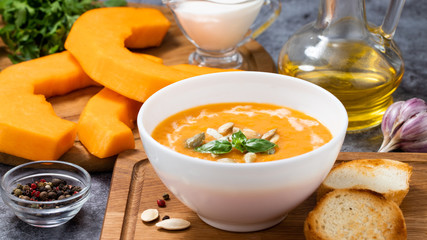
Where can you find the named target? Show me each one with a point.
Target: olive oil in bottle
(354, 60)
(357, 75)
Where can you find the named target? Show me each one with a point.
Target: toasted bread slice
(387, 177)
(355, 214)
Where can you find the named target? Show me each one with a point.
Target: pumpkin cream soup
(241, 132)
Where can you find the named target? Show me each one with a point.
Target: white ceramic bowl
(242, 197)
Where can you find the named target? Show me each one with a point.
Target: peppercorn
(46, 191)
(161, 203)
(52, 195)
(165, 217)
(43, 196)
(56, 181)
(17, 192)
(166, 196)
(40, 185)
(24, 197)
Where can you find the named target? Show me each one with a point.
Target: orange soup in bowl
(241, 132)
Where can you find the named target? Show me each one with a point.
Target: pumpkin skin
(106, 123)
(98, 40)
(29, 127)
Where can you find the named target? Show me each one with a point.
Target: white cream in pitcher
(215, 25)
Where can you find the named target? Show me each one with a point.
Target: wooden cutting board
(135, 187)
(174, 50)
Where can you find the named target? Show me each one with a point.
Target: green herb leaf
(215, 147)
(37, 28)
(114, 3)
(238, 140)
(258, 145)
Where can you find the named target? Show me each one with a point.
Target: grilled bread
(346, 214)
(387, 177)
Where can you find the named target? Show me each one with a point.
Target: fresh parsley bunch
(35, 28)
(239, 142)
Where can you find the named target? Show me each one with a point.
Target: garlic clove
(414, 146)
(410, 108)
(388, 126)
(404, 126)
(390, 145)
(390, 117)
(415, 128)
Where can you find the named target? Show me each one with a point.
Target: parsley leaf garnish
(39, 27)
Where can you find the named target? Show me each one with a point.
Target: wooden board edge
(401, 156)
(122, 183)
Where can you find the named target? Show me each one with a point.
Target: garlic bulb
(404, 126)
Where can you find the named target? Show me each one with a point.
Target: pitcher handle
(268, 14)
(391, 19)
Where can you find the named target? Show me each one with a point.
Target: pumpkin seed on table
(173, 224)
(149, 215)
(195, 141)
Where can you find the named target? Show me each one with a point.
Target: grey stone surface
(410, 36)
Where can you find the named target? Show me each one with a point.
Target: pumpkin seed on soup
(195, 141)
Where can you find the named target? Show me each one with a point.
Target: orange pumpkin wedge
(98, 40)
(152, 58)
(105, 123)
(29, 127)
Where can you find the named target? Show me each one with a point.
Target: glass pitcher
(357, 62)
(218, 27)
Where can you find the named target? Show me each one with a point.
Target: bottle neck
(343, 18)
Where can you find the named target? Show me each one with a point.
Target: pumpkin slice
(152, 58)
(98, 40)
(105, 123)
(29, 127)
